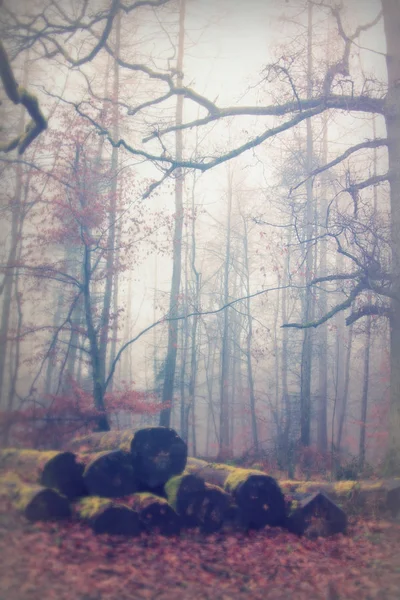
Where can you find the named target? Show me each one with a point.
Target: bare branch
(368, 144)
(182, 317)
(338, 308)
(20, 96)
(368, 310)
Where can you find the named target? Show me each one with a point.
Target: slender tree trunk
(224, 441)
(344, 397)
(114, 194)
(306, 355)
(170, 363)
(193, 358)
(249, 339)
(111, 276)
(322, 421)
(364, 399)
(13, 252)
(391, 18)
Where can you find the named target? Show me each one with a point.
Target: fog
(90, 228)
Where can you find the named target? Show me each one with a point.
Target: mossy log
(35, 502)
(107, 516)
(158, 453)
(155, 514)
(52, 469)
(184, 494)
(315, 515)
(109, 474)
(258, 497)
(355, 497)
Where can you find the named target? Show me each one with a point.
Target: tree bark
(258, 496)
(51, 469)
(170, 362)
(306, 354)
(391, 19)
(225, 450)
(322, 421)
(35, 502)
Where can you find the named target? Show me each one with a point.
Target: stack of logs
(124, 482)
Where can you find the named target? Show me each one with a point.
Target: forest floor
(68, 562)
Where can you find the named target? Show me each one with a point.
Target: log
(109, 474)
(50, 469)
(183, 494)
(158, 453)
(213, 509)
(35, 502)
(155, 514)
(314, 516)
(258, 497)
(107, 516)
(355, 497)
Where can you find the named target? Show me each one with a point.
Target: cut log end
(47, 505)
(213, 507)
(158, 454)
(260, 501)
(35, 502)
(109, 474)
(65, 474)
(51, 469)
(105, 516)
(117, 520)
(155, 514)
(316, 515)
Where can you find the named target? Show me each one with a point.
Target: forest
(199, 232)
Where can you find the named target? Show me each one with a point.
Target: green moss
(172, 488)
(89, 508)
(238, 476)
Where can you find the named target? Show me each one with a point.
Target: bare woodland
(198, 240)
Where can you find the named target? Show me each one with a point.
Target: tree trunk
(364, 398)
(111, 257)
(249, 339)
(342, 416)
(391, 18)
(322, 421)
(306, 354)
(170, 362)
(225, 450)
(8, 283)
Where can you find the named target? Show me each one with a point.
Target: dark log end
(158, 453)
(316, 516)
(47, 505)
(156, 514)
(64, 473)
(117, 520)
(109, 474)
(393, 498)
(212, 509)
(260, 501)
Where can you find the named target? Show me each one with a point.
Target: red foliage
(56, 419)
